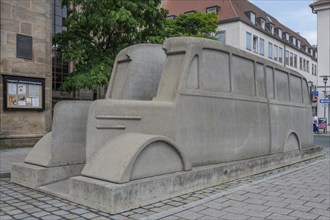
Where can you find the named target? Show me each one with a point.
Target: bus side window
(270, 82)
(305, 92)
(214, 75)
(295, 89)
(242, 72)
(192, 79)
(282, 85)
(260, 79)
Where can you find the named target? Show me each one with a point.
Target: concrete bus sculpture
(192, 115)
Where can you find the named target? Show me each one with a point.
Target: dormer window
(298, 44)
(213, 9)
(293, 41)
(271, 28)
(253, 18)
(287, 37)
(190, 12)
(310, 51)
(172, 17)
(262, 24)
(306, 49)
(279, 33)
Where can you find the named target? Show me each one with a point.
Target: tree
(98, 30)
(193, 24)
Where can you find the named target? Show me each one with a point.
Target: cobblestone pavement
(299, 191)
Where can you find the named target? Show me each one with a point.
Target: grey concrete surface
(9, 156)
(299, 191)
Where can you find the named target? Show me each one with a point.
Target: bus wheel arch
(291, 142)
(134, 156)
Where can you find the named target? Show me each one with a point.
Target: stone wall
(30, 18)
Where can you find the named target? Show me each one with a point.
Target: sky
(294, 14)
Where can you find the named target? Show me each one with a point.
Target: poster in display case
(23, 93)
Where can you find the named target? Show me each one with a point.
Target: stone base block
(115, 198)
(33, 176)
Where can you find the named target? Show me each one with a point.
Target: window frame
(253, 18)
(275, 52)
(262, 47)
(280, 54)
(270, 50)
(248, 39)
(255, 43)
(263, 24)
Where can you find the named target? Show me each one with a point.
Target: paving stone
(282, 211)
(322, 212)
(277, 216)
(101, 218)
(79, 211)
(14, 212)
(136, 216)
(60, 212)
(51, 217)
(317, 205)
(255, 201)
(19, 216)
(6, 217)
(118, 217)
(256, 207)
(72, 216)
(235, 210)
(149, 213)
(294, 201)
(303, 215)
(257, 213)
(323, 218)
(174, 203)
(232, 216)
(9, 208)
(302, 208)
(212, 212)
(171, 218)
(312, 199)
(277, 204)
(189, 215)
(26, 207)
(198, 208)
(89, 215)
(51, 209)
(140, 210)
(40, 214)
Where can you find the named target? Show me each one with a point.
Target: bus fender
(291, 142)
(134, 156)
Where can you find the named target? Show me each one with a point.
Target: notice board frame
(23, 93)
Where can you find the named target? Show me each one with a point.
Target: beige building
(26, 71)
(322, 9)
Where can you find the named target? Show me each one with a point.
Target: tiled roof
(233, 10)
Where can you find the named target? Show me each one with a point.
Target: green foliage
(193, 24)
(98, 30)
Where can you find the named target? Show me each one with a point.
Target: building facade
(247, 27)
(322, 9)
(26, 72)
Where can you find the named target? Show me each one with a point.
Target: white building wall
(323, 42)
